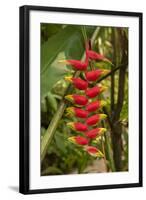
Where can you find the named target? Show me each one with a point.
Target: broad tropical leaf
(66, 44)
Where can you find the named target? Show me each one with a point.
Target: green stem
(51, 128)
(83, 28)
(117, 128)
(103, 151)
(111, 72)
(108, 149)
(109, 152)
(55, 120)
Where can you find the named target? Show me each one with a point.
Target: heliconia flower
(94, 119)
(77, 126)
(94, 91)
(95, 74)
(77, 112)
(95, 105)
(93, 151)
(77, 82)
(96, 56)
(77, 64)
(95, 132)
(78, 140)
(77, 99)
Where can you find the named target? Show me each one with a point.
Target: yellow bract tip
(103, 103)
(99, 154)
(103, 116)
(68, 78)
(107, 60)
(102, 130)
(71, 139)
(105, 71)
(70, 111)
(103, 88)
(63, 61)
(69, 97)
(70, 125)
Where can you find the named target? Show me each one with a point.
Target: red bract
(93, 151)
(95, 56)
(95, 74)
(77, 99)
(95, 132)
(77, 112)
(94, 91)
(94, 119)
(77, 126)
(78, 140)
(81, 113)
(77, 64)
(77, 82)
(95, 105)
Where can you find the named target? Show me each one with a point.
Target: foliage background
(66, 41)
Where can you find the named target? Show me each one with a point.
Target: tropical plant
(67, 42)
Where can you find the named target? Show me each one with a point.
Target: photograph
(84, 99)
(80, 94)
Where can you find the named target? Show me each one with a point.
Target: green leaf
(56, 48)
(51, 100)
(43, 130)
(66, 44)
(47, 30)
(60, 142)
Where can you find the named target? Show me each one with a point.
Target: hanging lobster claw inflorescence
(89, 103)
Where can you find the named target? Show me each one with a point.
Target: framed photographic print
(80, 99)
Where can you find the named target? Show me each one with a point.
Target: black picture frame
(24, 98)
